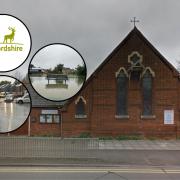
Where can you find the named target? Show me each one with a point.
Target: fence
(47, 147)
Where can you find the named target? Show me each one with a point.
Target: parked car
(23, 99)
(2, 94)
(9, 98)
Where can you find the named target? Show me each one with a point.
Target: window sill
(122, 116)
(148, 116)
(49, 123)
(80, 116)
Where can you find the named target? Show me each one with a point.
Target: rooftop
(38, 101)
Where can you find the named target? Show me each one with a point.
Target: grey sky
(96, 27)
(50, 56)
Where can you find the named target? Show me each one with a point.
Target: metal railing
(47, 147)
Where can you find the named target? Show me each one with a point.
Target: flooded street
(12, 115)
(57, 90)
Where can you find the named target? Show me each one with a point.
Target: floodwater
(57, 90)
(12, 115)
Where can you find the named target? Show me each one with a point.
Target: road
(12, 115)
(89, 173)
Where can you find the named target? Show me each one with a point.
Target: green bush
(106, 138)
(129, 137)
(84, 135)
(152, 138)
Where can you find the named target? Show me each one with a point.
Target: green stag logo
(10, 37)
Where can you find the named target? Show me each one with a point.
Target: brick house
(135, 91)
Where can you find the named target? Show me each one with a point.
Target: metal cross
(134, 21)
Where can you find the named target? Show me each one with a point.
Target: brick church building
(135, 91)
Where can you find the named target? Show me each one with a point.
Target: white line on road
(87, 170)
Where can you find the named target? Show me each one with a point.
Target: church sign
(49, 111)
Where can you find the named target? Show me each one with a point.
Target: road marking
(88, 170)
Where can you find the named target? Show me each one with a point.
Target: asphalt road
(101, 157)
(89, 173)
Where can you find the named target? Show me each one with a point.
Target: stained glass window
(147, 93)
(122, 93)
(80, 107)
(135, 59)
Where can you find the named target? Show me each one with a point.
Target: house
(17, 89)
(67, 71)
(36, 70)
(135, 91)
(5, 87)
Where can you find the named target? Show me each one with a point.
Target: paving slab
(140, 144)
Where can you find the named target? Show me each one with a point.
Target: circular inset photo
(15, 42)
(15, 104)
(57, 72)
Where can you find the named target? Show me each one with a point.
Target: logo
(15, 43)
(9, 44)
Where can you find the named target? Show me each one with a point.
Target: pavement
(104, 158)
(140, 144)
(159, 153)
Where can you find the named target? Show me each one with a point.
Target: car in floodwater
(23, 99)
(9, 98)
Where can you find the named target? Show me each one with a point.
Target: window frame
(125, 115)
(52, 116)
(84, 115)
(152, 115)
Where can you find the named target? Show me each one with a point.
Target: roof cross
(134, 21)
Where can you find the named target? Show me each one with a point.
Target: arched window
(80, 107)
(147, 82)
(122, 82)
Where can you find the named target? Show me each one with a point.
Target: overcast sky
(52, 55)
(96, 27)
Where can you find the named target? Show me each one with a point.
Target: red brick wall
(73, 126)
(100, 95)
(42, 129)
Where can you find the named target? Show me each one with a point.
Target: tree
(5, 82)
(58, 69)
(81, 70)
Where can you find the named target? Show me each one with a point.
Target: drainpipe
(61, 122)
(29, 126)
(61, 119)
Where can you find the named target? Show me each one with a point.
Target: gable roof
(38, 101)
(143, 38)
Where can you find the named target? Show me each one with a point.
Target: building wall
(75, 126)
(43, 129)
(100, 94)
